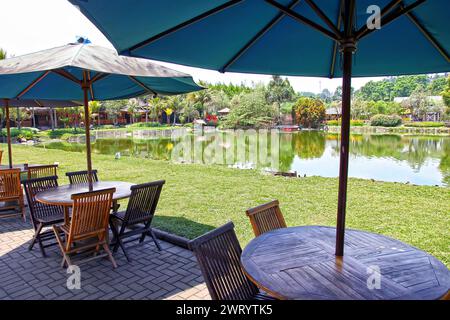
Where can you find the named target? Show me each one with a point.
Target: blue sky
(30, 25)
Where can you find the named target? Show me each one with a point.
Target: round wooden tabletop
(61, 196)
(299, 263)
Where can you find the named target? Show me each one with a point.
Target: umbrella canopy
(17, 103)
(325, 38)
(256, 36)
(57, 74)
(84, 70)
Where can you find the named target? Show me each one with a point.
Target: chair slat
(79, 177)
(11, 190)
(266, 217)
(218, 254)
(37, 172)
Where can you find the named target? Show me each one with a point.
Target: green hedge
(145, 125)
(382, 120)
(27, 133)
(353, 123)
(425, 124)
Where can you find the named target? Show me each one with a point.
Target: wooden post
(86, 88)
(8, 133)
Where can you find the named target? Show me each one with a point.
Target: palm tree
(3, 54)
(95, 107)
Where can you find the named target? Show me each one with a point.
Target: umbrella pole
(88, 134)
(8, 133)
(348, 49)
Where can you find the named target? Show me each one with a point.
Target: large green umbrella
(324, 38)
(92, 72)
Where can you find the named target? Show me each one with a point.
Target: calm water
(422, 160)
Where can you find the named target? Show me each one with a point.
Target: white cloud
(30, 25)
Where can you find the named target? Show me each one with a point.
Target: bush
(26, 133)
(310, 112)
(353, 123)
(424, 124)
(381, 120)
(60, 133)
(145, 125)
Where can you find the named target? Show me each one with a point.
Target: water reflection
(423, 160)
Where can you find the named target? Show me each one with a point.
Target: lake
(421, 160)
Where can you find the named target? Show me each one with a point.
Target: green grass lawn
(198, 198)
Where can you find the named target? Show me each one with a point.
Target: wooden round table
(61, 196)
(299, 263)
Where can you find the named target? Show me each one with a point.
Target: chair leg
(152, 234)
(111, 258)
(66, 258)
(37, 237)
(22, 208)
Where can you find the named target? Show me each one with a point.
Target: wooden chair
(89, 221)
(79, 177)
(36, 172)
(11, 191)
(138, 216)
(42, 215)
(218, 253)
(1, 156)
(266, 217)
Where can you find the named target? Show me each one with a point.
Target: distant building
(435, 108)
(333, 113)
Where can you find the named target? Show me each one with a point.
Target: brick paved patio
(170, 274)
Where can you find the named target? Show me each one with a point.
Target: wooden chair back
(218, 253)
(90, 215)
(10, 186)
(1, 156)
(80, 177)
(143, 201)
(39, 210)
(266, 217)
(37, 172)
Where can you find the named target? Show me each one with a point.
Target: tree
(404, 86)
(218, 100)
(174, 105)
(279, 90)
(437, 85)
(95, 108)
(446, 96)
(418, 103)
(3, 54)
(133, 108)
(113, 109)
(250, 110)
(326, 96)
(154, 107)
(189, 112)
(310, 112)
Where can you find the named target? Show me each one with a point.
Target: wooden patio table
(300, 263)
(61, 196)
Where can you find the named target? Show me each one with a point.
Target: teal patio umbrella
(90, 72)
(320, 38)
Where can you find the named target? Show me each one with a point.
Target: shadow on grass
(181, 226)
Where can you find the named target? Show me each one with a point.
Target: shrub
(310, 112)
(145, 125)
(382, 120)
(353, 123)
(424, 124)
(27, 133)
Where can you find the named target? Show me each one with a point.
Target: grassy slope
(197, 198)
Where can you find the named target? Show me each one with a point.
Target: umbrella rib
(91, 89)
(182, 25)
(323, 16)
(335, 45)
(298, 17)
(258, 36)
(32, 84)
(365, 31)
(428, 36)
(99, 76)
(67, 75)
(141, 84)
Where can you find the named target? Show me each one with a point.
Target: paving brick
(170, 274)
